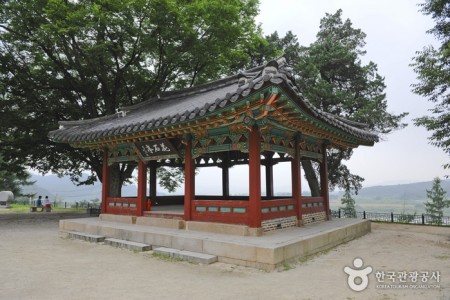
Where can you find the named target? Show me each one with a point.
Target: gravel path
(37, 263)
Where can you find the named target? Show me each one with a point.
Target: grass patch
(25, 208)
(442, 257)
(287, 267)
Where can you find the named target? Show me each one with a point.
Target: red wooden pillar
(296, 183)
(105, 181)
(142, 188)
(189, 181)
(255, 178)
(324, 181)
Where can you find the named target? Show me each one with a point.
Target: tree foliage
(13, 181)
(432, 66)
(437, 202)
(331, 75)
(349, 209)
(73, 60)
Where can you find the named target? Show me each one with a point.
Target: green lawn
(24, 208)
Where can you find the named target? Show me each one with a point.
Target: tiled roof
(188, 104)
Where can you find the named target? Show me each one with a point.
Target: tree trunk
(311, 177)
(115, 181)
(118, 175)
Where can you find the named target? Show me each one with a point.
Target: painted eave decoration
(265, 96)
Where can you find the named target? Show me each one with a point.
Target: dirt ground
(36, 262)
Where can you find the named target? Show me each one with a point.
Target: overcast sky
(395, 31)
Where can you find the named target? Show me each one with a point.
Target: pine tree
(435, 206)
(349, 205)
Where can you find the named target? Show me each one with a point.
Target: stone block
(270, 256)
(255, 231)
(127, 245)
(160, 222)
(68, 225)
(336, 236)
(110, 232)
(294, 250)
(158, 240)
(187, 255)
(118, 218)
(226, 249)
(241, 230)
(86, 237)
(187, 243)
(250, 264)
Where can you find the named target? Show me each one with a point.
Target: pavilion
(257, 117)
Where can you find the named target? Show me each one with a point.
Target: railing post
(392, 217)
(364, 215)
(423, 219)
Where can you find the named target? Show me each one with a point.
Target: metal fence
(423, 219)
(81, 204)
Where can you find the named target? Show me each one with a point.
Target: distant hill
(400, 198)
(412, 191)
(62, 188)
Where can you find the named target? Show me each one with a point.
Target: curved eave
(89, 133)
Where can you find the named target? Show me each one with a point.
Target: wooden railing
(121, 206)
(312, 205)
(220, 211)
(279, 208)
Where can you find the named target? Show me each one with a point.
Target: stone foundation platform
(266, 252)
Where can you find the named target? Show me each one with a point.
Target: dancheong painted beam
(257, 117)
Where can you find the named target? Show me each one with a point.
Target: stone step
(86, 237)
(128, 245)
(187, 255)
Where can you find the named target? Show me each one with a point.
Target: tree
(72, 60)
(330, 74)
(433, 72)
(437, 202)
(349, 205)
(13, 181)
